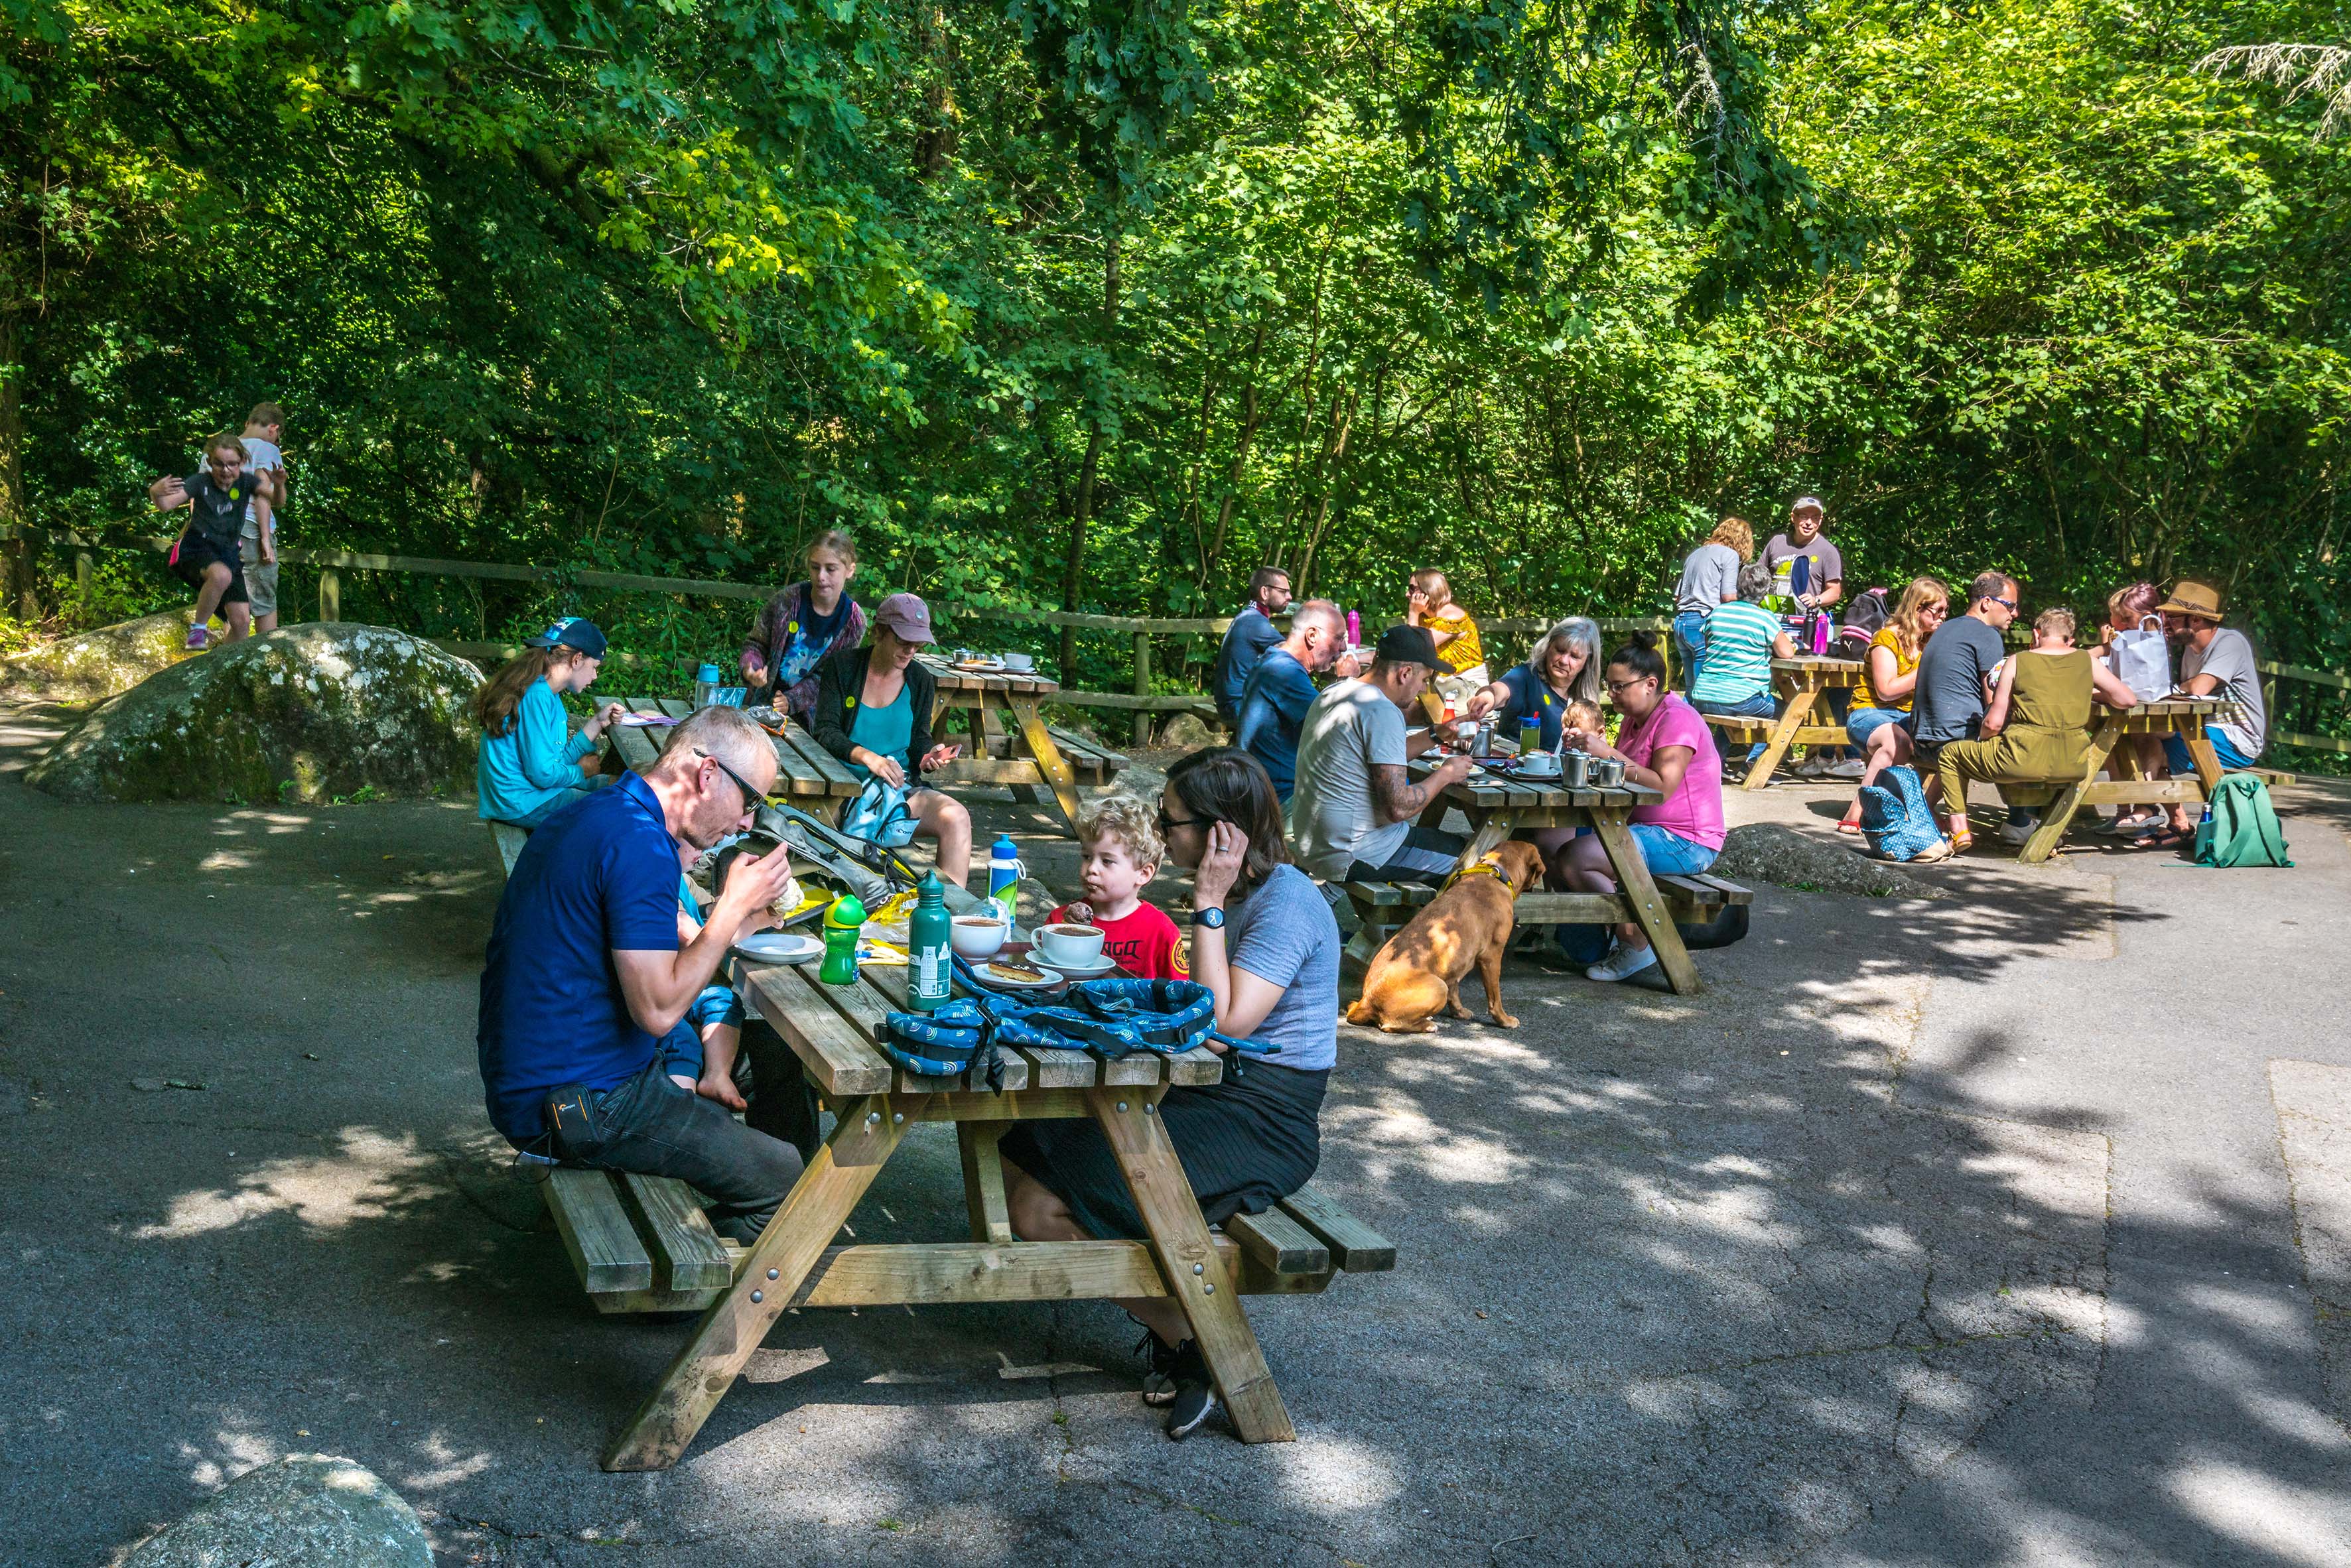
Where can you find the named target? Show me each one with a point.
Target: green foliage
(1531, 292)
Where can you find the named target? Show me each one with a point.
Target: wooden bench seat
(1384, 906)
(509, 840)
(641, 1244)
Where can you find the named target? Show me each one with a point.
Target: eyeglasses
(750, 797)
(1168, 824)
(1617, 688)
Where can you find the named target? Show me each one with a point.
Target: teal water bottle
(842, 923)
(706, 686)
(1005, 872)
(927, 947)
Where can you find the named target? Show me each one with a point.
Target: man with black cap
(1351, 814)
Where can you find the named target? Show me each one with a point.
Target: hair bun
(1645, 641)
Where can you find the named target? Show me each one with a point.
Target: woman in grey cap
(874, 711)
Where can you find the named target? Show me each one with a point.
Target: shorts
(260, 577)
(1864, 722)
(2175, 751)
(1668, 853)
(193, 554)
(1427, 855)
(680, 1050)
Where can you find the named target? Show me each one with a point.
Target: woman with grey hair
(1562, 668)
(1741, 639)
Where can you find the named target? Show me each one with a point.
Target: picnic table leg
(983, 1179)
(1050, 763)
(2060, 815)
(1486, 834)
(2207, 761)
(818, 1205)
(1792, 719)
(1648, 906)
(1195, 1278)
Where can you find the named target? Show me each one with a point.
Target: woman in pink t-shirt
(1667, 746)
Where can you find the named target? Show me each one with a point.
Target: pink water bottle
(1354, 629)
(1820, 632)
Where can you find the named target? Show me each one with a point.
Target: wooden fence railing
(2318, 689)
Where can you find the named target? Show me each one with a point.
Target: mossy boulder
(303, 713)
(312, 1509)
(91, 665)
(1766, 851)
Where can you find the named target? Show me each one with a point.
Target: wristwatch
(1214, 919)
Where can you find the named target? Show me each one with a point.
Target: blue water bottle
(706, 686)
(1004, 873)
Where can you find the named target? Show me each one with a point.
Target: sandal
(1962, 842)
(1850, 825)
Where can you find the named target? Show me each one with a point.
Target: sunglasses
(750, 797)
(2007, 604)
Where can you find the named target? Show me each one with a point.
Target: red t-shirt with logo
(1145, 944)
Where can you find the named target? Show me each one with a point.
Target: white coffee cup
(978, 935)
(1020, 662)
(1080, 946)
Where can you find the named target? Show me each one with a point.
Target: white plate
(988, 971)
(778, 947)
(1093, 971)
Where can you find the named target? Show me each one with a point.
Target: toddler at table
(698, 1054)
(1123, 851)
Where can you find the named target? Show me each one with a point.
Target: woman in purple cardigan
(804, 625)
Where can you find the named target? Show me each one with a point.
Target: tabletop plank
(837, 1060)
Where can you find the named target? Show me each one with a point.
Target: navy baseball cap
(571, 632)
(1408, 646)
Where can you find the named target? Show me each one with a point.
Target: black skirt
(1245, 1142)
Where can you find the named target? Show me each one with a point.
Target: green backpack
(2241, 827)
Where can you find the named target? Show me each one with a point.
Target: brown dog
(1421, 968)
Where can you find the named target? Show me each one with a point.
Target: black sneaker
(1196, 1394)
(1162, 1360)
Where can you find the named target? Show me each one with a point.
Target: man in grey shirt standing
(1351, 816)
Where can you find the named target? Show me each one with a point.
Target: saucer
(1094, 971)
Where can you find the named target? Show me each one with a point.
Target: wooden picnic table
(1031, 754)
(804, 770)
(1500, 809)
(1800, 683)
(831, 1029)
(2182, 717)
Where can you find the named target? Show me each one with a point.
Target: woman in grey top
(1265, 945)
(1709, 576)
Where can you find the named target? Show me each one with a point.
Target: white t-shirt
(2230, 660)
(1350, 729)
(260, 456)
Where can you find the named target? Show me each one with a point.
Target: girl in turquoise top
(530, 765)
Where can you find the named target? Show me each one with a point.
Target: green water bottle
(927, 947)
(1529, 738)
(842, 922)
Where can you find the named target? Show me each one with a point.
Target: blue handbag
(1112, 1018)
(1895, 817)
(879, 816)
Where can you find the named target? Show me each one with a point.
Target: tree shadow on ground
(1680, 1280)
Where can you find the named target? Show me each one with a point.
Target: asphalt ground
(2010, 1227)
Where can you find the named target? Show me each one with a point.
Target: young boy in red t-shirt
(1123, 852)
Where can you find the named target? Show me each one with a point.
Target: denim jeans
(1690, 636)
(651, 1127)
(1761, 705)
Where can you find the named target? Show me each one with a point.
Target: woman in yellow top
(1889, 673)
(1429, 604)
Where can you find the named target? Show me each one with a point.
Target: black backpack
(1864, 620)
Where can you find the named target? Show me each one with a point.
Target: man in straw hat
(2214, 661)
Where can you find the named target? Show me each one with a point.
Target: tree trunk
(13, 510)
(1074, 571)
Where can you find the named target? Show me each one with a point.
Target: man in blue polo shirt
(585, 975)
(1281, 688)
(1247, 639)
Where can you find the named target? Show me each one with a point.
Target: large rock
(1766, 851)
(89, 665)
(306, 713)
(1189, 732)
(311, 1510)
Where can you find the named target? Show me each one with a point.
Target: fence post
(330, 594)
(83, 567)
(1142, 688)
